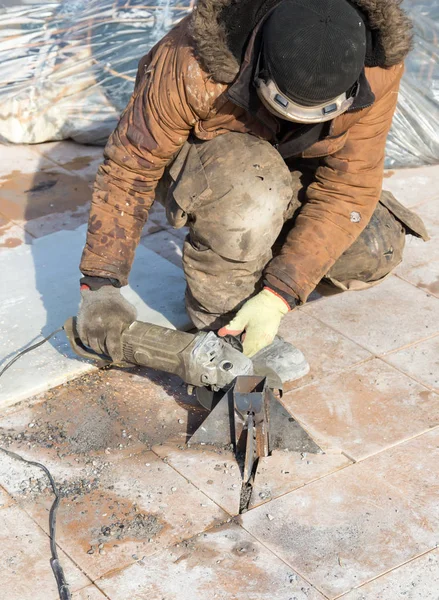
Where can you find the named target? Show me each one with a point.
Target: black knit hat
(314, 50)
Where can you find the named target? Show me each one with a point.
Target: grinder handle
(143, 344)
(71, 331)
(158, 347)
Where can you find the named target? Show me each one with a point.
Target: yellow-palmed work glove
(260, 318)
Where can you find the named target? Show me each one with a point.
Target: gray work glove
(103, 315)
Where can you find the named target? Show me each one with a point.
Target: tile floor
(144, 517)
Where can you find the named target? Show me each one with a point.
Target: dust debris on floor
(145, 515)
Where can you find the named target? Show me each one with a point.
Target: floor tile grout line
(10, 500)
(3, 216)
(419, 204)
(353, 463)
(418, 287)
(335, 372)
(344, 593)
(407, 562)
(60, 164)
(94, 585)
(230, 515)
(282, 560)
(16, 223)
(373, 356)
(408, 346)
(392, 446)
(209, 529)
(398, 370)
(372, 352)
(72, 560)
(22, 226)
(341, 369)
(338, 470)
(418, 381)
(323, 379)
(180, 540)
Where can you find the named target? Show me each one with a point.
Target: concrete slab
(416, 580)
(354, 525)
(140, 507)
(373, 318)
(420, 361)
(24, 556)
(215, 472)
(413, 186)
(40, 290)
(223, 564)
(364, 410)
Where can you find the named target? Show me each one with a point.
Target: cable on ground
(63, 587)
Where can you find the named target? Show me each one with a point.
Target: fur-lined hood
(220, 30)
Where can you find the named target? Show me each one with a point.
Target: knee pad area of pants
(375, 253)
(250, 190)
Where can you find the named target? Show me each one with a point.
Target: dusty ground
(145, 517)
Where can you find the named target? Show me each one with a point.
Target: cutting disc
(208, 398)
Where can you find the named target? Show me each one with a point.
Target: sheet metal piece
(286, 433)
(253, 420)
(218, 429)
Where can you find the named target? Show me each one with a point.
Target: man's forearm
(115, 225)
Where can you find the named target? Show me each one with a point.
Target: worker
(261, 126)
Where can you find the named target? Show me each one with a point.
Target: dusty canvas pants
(238, 198)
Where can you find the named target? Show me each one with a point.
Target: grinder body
(201, 359)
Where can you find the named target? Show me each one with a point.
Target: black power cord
(63, 586)
(58, 572)
(23, 352)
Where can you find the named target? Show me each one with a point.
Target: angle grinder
(202, 360)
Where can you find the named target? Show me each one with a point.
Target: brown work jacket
(182, 90)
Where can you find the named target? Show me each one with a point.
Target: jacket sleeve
(340, 203)
(153, 127)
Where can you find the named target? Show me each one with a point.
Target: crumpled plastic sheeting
(414, 137)
(69, 66)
